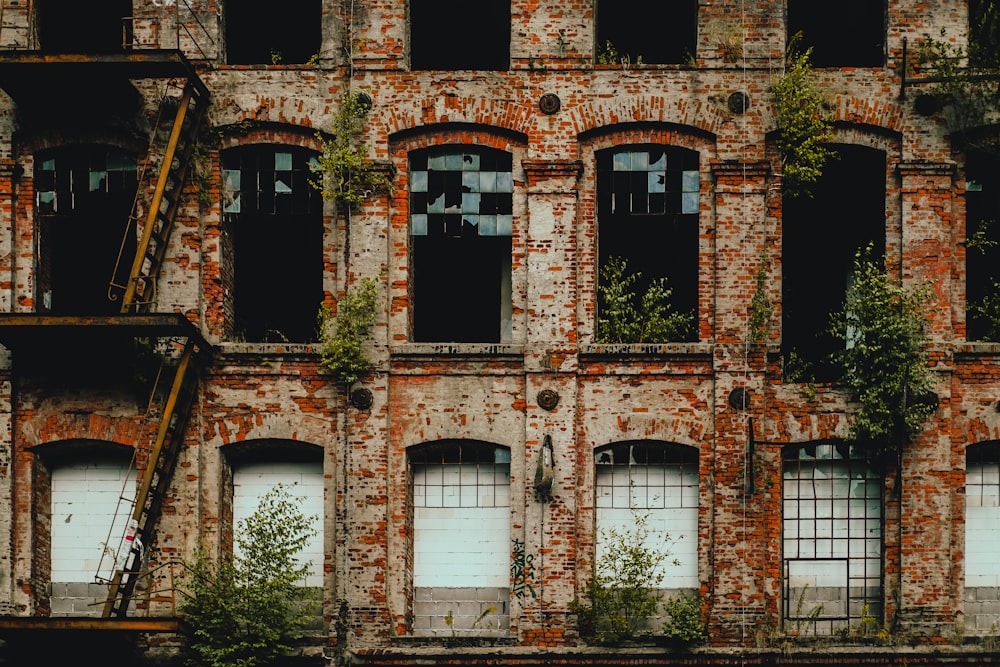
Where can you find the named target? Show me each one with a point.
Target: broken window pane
(279, 303)
(647, 31)
(646, 217)
(84, 208)
(461, 221)
(832, 565)
(458, 34)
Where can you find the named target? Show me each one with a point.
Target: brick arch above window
(250, 132)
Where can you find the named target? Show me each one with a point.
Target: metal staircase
(176, 409)
(139, 289)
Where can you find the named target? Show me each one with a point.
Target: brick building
(163, 256)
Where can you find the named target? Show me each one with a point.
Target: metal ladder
(155, 481)
(139, 289)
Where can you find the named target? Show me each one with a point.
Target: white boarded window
(659, 481)
(88, 513)
(303, 480)
(982, 516)
(461, 515)
(832, 537)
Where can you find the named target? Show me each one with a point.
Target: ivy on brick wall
(343, 337)
(344, 174)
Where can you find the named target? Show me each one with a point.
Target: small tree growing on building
(343, 172)
(342, 338)
(884, 360)
(624, 593)
(625, 316)
(804, 123)
(247, 608)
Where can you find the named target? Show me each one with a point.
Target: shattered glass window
(461, 194)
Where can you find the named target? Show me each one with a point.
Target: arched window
(83, 196)
(304, 481)
(461, 223)
(272, 244)
(982, 535)
(659, 481)
(92, 503)
(821, 235)
(832, 530)
(648, 202)
(461, 538)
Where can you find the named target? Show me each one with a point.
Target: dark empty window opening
(653, 31)
(458, 34)
(982, 253)
(647, 213)
(820, 240)
(84, 197)
(275, 219)
(258, 36)
(461, 222)
(71, 26)
(850, 35)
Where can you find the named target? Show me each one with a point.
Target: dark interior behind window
(83, 197)
(821, 236)
(982, 255)
(848, 34)
(655, 31)
(258, 36)
(647, 211)
(275, 218)
(71, 26)
(459, 34)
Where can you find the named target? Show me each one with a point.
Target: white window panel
(303, 480)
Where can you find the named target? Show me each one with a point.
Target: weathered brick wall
(254, 394)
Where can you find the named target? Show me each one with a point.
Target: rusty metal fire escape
(137, 296)
(111, 77)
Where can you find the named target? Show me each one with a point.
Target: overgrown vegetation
(248, 608)
(608, 54)
(966, 87)
(624, 594)
(805, 125)
(884, 358)
(343, 172)
(624, 316)
(761, 306)
(342, 337)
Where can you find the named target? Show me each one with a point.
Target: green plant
(987, 308)
(626, 317)
(966, 85)
(343, 172)
(761, 306)
(623, 593)
(342, 337)
(804, 123)
(609, 55)
(684, 623)
(246, 609)
(884, 359)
